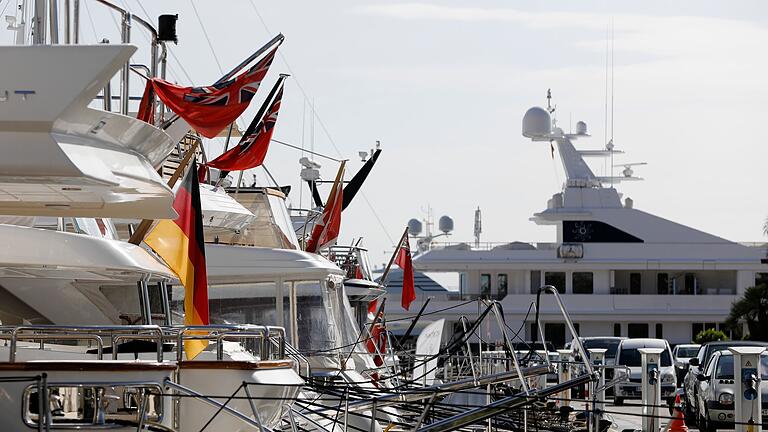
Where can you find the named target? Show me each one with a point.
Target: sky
(444, 85)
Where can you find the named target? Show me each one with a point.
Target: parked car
(715, 392)
(628, 354)
(682, 354)
(696, 365)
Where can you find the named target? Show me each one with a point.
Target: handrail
(46, 331)
(574, 334)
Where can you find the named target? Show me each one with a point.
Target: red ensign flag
(403, 260)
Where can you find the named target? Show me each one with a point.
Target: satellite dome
(536, 123)
(414, 227)
(445, 224)
(581, 128)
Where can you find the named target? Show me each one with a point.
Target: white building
(621, 271)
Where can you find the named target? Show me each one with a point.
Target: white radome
(537, 123)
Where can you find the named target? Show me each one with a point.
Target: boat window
(635, 283)
(555, 333)
(485, 285)
(317, 315)
(690, 284)
(95, 227)
(282, 220)
(253, 303)
(637, 330)
(105, 406)
(535, 281)
(556, 279)
(595, 232)
(501, 285)
(662, 283)
(583, 283)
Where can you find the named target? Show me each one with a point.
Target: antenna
(478, 227)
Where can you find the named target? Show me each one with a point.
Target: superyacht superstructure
(621, 271)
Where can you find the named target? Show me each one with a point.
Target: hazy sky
(444, 85)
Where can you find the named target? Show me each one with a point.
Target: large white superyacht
(621, 271)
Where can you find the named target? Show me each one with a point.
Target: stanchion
(651, 388)
(748, 398)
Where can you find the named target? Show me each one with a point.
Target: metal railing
(265, 336)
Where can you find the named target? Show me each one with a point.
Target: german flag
(180, 244)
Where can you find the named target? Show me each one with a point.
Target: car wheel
(618, 401)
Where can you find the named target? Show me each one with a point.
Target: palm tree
(765, 227)
(752, 309)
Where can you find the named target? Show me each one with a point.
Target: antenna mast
(478, 227)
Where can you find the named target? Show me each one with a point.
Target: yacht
(91, 340)
(621, 271)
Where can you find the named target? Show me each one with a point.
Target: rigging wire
(320, 121)
(207, 38)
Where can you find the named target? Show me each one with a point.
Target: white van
(628, 355)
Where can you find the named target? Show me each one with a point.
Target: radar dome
(414, 227)
(445, 224)
(536, 123)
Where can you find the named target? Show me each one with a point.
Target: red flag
(325, 232)
(252, 148)
(377, 343)
(403, 260)
(209, 109)
(372, 306)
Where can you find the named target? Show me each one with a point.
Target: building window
(617, 329)
(485, 285)
(583, 283)
(535, 281)
(577, 328)
(637, 330)
(556, 279)
(501, 285)
(662, 283)
(659, 331)
(761, 279)
(635, 283)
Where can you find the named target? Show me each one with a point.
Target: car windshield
(687, 352)
(611, 345)
(725, 367)
(632, 357)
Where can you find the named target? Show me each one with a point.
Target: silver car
(682, 354)
(629, 356)
(690, 383)
(715, 387)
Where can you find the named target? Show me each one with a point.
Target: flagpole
(141, 231)
(329, 203)
(277, 39)
(383, 280)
